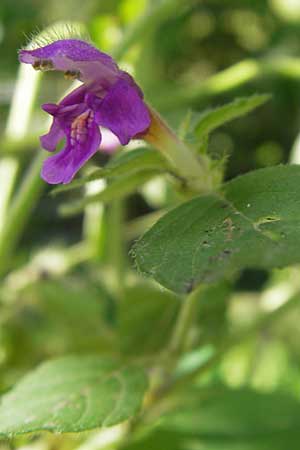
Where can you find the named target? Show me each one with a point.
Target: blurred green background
(57, 294)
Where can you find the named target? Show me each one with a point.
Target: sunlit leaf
(72, 394)
(255, 224)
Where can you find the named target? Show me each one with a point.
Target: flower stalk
(193, 170)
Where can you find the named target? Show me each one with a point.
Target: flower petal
(75, 57)
(123, 111)
(74, 97)
(62, 167)
(50, 140)
(64, 113)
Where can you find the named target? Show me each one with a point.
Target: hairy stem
(194, 170)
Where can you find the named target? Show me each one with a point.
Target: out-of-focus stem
(229, 79)
(184, 323)
(9, 166)
(19, 211)
(16, 129)
(22, 103)
(94, 223)
(194, 170)
(223, 81)
(116, 251)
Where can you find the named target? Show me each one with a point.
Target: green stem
(184, 322)
(16, 129)
(116, 249)
(94, 230)
(22, 205)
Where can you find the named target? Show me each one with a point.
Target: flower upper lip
(73, 56)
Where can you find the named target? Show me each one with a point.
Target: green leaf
(223, 419)
(212, 119)
(219, 410)
(72, 394)
(119, 188)
(143, 304)
(212, 312)
(256, 224)
(134, 160)
(125, 163)
(68, 316)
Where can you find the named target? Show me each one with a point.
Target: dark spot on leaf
(189, 286)
(267, 219)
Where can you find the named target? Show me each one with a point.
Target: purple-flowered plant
(108, 97)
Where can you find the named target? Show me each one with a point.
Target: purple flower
(108, 97)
